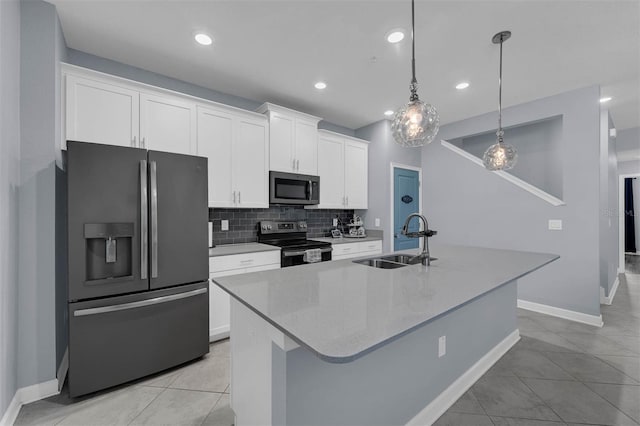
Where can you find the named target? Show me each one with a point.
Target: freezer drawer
(118, 339)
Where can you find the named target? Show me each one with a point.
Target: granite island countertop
(342, 310)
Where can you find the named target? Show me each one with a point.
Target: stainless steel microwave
(292, 188)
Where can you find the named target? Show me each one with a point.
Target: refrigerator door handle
(139, 304)
(144, 221)
(154, 219)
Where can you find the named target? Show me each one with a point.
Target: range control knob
(269, 227)
(264, 227)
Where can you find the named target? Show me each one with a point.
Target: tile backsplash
(243, 223)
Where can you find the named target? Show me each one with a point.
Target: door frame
(392, 166)
(621, 213)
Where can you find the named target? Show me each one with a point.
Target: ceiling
(276, 50)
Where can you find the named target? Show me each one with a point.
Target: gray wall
(382, 152)
(628, 139)
(629, 167)
(9, 184)
(119, 69)
(538, 145)
(608, 205)
(41, 49)
(469, 205)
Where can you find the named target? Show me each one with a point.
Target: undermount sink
(379, 263)
(398, 258)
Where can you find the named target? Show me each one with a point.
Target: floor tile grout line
(542, 400)
(212, 408)
(147, 406)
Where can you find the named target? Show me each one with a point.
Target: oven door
(296, 257)
(291, 188)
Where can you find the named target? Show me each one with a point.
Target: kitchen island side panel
(275, 381)
(394, 383)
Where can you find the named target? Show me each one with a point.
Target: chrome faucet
(424, 256)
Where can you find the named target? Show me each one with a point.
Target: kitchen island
(345, 343)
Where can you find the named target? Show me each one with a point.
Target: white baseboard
(621, 270)
(218, 333)
(595, 320)
(608, 300)
(27, 395)
(63, 369)
(446, 399)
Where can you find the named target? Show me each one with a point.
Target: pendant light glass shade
(500, 156)
(416, 123)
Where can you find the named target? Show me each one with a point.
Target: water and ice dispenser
(108, 252)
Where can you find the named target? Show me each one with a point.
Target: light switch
(555, 224)
(377, 221)
(442, 346)
(224, 225)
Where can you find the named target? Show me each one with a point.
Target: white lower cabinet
(221, 266)
(356, 249)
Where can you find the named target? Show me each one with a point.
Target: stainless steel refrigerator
(138, 263)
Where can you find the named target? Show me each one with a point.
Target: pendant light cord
(414, 82)
(500, 132)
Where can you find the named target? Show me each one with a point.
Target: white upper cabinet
(105, 109)
(343, 166)
(167, 124)
(331, 171)
(236, 144)
(100, 112)
(356, 174)
(293, 138)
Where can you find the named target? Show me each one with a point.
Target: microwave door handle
(310, 190)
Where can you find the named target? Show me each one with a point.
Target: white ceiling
(276, 50)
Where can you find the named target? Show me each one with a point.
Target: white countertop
(341, 310)
(229, 249)
(343, 240)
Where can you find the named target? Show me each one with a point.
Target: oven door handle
(301, 252)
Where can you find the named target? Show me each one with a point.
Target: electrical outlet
(335, 221)
(442, 346)
(377, 221)
(555, 224)
(224, 225)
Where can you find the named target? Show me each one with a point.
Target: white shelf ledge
(509, 177)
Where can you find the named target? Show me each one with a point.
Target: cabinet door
(331, 171)
(281, 142)
(101, 113)
(167, 124)
(219, 307)
(356, 157)
(214, 141)
(250, 166)
(306, 148)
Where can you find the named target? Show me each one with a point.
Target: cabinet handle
(239, 202)
(234, 197)
(298, 165)
(246, 261)
(144, 142)
(294, 164)
(133, 142)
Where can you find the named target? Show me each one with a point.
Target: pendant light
(500, 156)
(416, 123)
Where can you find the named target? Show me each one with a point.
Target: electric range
(291, 237)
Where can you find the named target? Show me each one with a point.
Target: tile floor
(559, 373)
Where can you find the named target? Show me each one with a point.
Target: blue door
(406, 200)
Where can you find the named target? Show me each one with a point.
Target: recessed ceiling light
(388, 113)
(462, 85)
(320, 85)
(395, 36)
(203, 39)
(605, 99)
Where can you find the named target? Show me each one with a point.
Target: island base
(404, 381)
